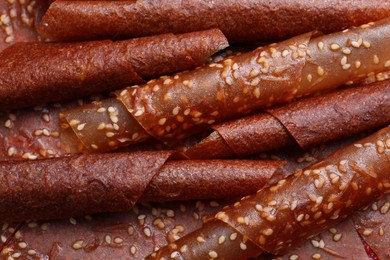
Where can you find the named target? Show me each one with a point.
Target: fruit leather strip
(88, 184)
(307, 122)
(336, 115)
(251, 20)
(248, 135)
(279, 218)
(19, 20)
(186, 180)
(373, 224)
(171, 108)
(74, 186)
(130, 235)
(35, 73)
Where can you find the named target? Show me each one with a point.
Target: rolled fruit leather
(127, 234)
(36, 73)
(251, 20)
(88, 184)
(281, 217)
(173, 107)
(307, 122)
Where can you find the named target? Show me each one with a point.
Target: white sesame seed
(213, 254)
(233, 236)
(320, 71)
(320, 45)
(334, 47)
(78, 244)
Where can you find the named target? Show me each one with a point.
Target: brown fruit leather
(307, 122)
(249, 20)
(173, 107)
(88, 184)
(281, 217)
(36, 73)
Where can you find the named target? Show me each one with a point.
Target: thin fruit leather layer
(173, 107)
(36, 73)
(127, 234)
(281, 217)
(239, 20)
(373, 224)
(19, 20)
(307, 122)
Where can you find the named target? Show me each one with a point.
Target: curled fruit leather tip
(307, 122)
(239, 20)
(35, 73)
(19, 20)
(279, 218)
(87, 184)
(173, 107)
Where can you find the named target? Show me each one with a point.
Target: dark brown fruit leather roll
(307, 122)
(171, 108)
(250, 20)
(281, 217)
(88, 184)
(36, 73)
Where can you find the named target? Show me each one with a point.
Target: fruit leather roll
(307, 122)
(35, 73)
(279, 218)
(171, 108)
(87, 184)
(251, 20)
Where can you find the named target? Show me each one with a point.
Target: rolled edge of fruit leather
(281, 217)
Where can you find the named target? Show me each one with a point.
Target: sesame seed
(22, 245)
(78, 244)
(101, 110)
(385, 208)
(320, 45)
(221, 240)
(72, 221)
(200, 239)
(347, 51)
(108, 239)
(31, 252)
(294, 204)
(118, 240)
(376, 59)
(213, 254)
(320, 71)
(162, 121)
(366, 44)
(74, 122)
(387, 64)
(110, 134)
(243, 246)
(337, 237)
(268, 232)
(316, 256)
(315, 243)
(256, 92)
(367, 232)
(309, 77)
(174, 254)
(233, 236)
(294, 257)
(132, 250)
(139, 113)
(346, 66)
(334, 47)
(300, 217)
